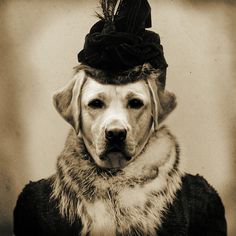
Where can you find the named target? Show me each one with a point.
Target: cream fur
(130, 201)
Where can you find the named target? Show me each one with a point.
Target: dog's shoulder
(37, 214)
(196, 210)
(201, 195)
(202, 206)
(35, 193)
(196, 188)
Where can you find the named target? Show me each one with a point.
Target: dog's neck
(133, 198)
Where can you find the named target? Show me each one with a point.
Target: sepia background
(39, 42)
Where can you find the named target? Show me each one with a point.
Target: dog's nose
(116, 135)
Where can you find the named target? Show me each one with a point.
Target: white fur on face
(116, 113)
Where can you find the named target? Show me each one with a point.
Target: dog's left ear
(163, 102)
(67, 100)
(167, 104)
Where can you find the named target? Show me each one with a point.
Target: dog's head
(115, 121)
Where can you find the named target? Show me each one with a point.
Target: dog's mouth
(115, 156)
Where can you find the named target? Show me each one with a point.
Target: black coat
(197, 210)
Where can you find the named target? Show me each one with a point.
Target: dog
(115, 122)
(118, 173)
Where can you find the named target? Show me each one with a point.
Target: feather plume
(109, 9)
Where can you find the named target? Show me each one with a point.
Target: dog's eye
(135, 103)
(96, 104)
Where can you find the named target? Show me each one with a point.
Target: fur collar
(131, 201)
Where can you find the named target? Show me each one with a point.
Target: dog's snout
(116, 134)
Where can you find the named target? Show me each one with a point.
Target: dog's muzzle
(115, 145)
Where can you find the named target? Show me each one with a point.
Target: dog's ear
(67, 100)
(167, 104)
(163, 102)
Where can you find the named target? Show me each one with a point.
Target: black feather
(108, 8)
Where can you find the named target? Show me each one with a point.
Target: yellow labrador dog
(131, 160)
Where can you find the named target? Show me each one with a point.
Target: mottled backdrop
(39, 41)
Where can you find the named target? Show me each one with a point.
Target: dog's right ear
(67, 100)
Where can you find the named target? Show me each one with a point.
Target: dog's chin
(113, 160)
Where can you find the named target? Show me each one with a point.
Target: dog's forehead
(92, 87)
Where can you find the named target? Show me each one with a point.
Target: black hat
(119, 41)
